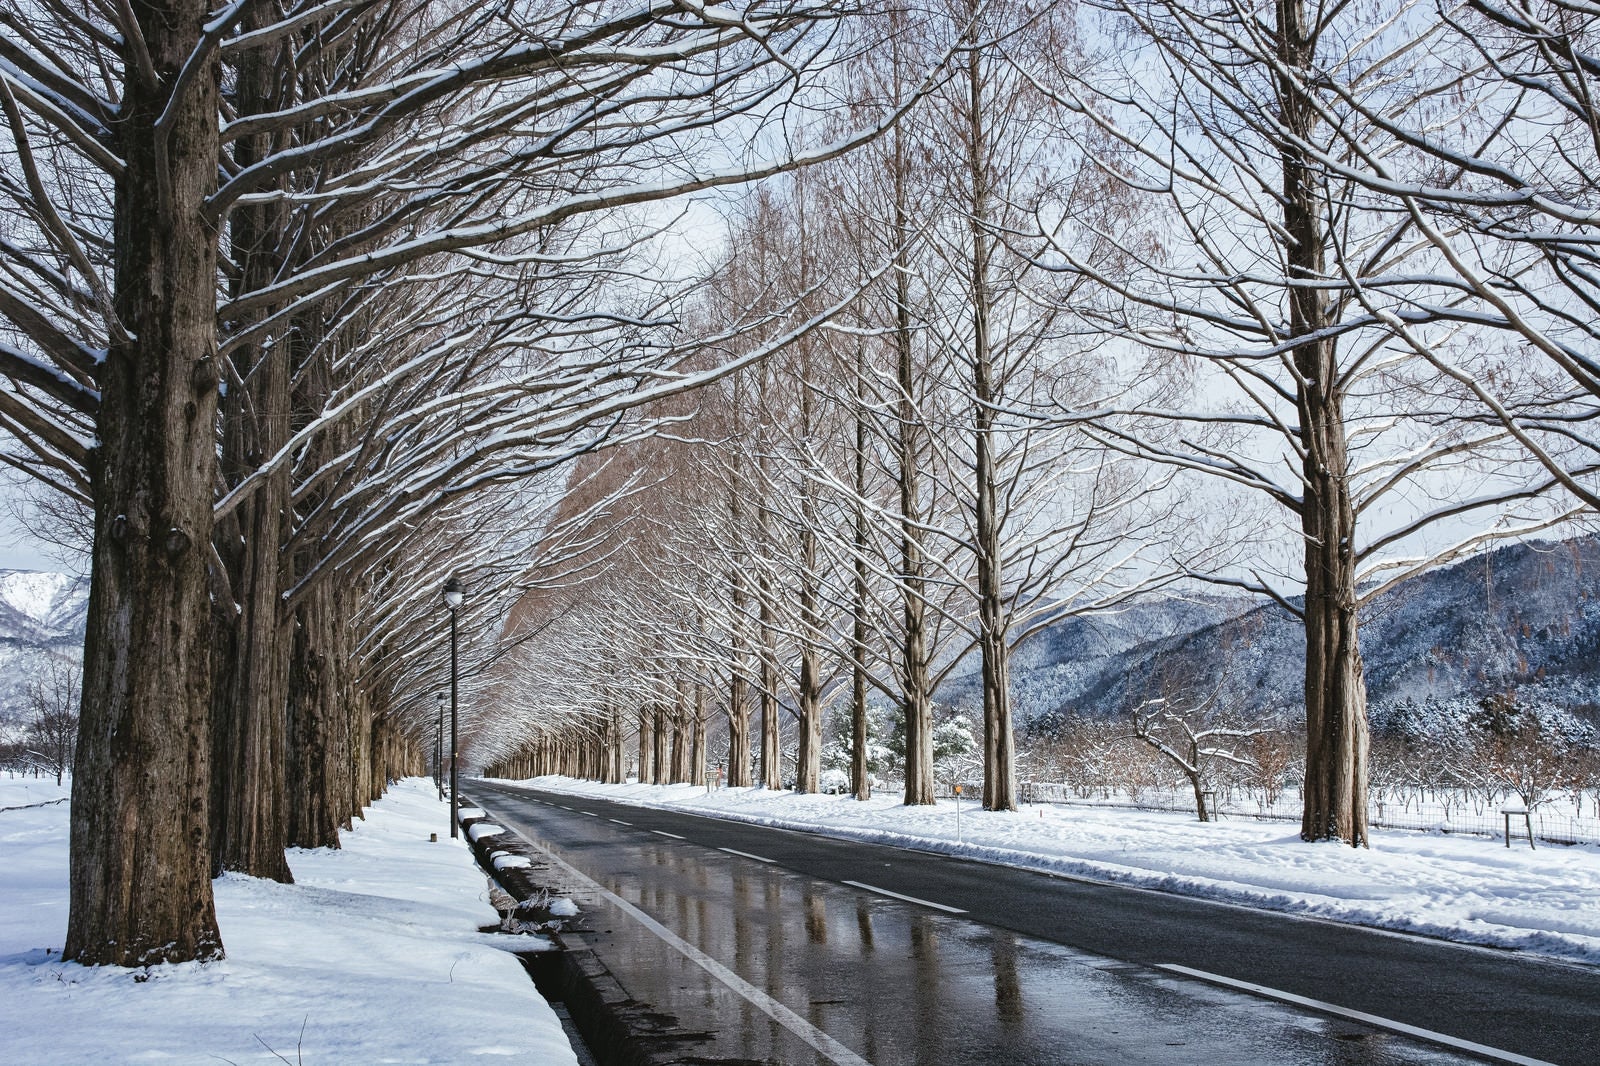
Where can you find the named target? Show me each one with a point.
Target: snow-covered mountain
(1059, 664)
(42, 606)
(1524, 617)
(41, 614)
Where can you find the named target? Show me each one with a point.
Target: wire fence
(1467, 817)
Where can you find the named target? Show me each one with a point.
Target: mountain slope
(42, 615)
(1524, 617)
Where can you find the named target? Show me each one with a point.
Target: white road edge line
(908, 899)
(664, 833)
(820, 1042)
(1355, 1015)
(745, 855)
(619, 821)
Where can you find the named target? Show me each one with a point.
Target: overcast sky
(19, 550)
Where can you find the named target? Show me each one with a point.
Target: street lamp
(438, 746)
(452, 600)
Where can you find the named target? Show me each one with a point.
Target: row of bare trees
(884, 500)
(1336, 262)
(304, 303)
(310, 305)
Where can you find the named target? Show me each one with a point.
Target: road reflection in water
(899, 983)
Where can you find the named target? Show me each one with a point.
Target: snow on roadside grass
(1469, 889)
(373, 955)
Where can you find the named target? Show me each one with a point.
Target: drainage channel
(544, 967)
(605, 1025)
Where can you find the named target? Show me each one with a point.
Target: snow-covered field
(1470, 889)
(372, 956)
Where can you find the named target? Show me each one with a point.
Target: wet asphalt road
(1036, 968)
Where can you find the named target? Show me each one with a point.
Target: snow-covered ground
(1470, 889)
(373, 955)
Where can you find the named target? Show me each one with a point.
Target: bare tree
(1191, 733)
(50, 725)
(1504, 192)
(1305, 300)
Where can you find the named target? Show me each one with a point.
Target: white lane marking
(820, 1042)
(1355, 1015)
(664, 833)
(908, 899)
(745, 854)
(591, 814)
(619, 821)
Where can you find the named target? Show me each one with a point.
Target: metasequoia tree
(132, 166)
(798, 432)
(1506, 194)
(1284, 291)
(1049, 521)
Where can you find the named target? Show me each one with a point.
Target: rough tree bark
(646, 747)
(808, 769)
(697, 755)
(140, 861)
(738, 686)
(682, 735)
(251, 655)
(323, 782)
(319, 778)
(660, 754)
(767, 767)
(860, 775)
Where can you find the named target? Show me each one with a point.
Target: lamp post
(438, 746)
(452, 600)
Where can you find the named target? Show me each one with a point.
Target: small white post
(958, 814)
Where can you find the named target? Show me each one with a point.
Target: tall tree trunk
(916, 688)
(326, 726)
(140, 862)
(682, 735)
(860, 775)
(249, 823)
(646, 746)
(661, 767)
(358, 720)
(809, 767)
(769, 767)
(320, 768)
(697, 757)
(999, 742)
(1336, 699)
(249, 826)
(739, 729)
